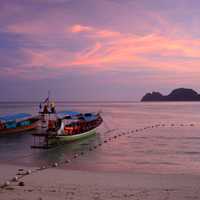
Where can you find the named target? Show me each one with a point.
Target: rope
(106, 140)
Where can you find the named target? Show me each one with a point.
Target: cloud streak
(109, 50)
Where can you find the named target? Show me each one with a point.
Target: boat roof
(87, 116)
(63, 114)
(90, 117)
(14, 117)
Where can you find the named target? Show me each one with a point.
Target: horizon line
(75, 101)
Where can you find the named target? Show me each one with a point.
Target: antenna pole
(49, 94)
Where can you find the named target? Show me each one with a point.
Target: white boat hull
(70, 138)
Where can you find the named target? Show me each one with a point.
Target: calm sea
(169, 149)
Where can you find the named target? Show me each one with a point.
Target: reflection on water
(164, 149)
(64, 152)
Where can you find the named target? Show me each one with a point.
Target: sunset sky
(98, 49)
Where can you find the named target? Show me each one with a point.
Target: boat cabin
(14, 122)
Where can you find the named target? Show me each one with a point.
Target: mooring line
(76, 155)
(28, 172)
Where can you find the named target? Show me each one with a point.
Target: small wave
(188, 152)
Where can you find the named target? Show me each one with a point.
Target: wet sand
(61, 184)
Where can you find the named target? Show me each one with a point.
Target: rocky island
(180, 94)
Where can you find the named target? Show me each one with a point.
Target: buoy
(55, 164)
(67, 161)
(7, 183)
(28, 172)
(21, 183)
(15, 178)
(75, 155)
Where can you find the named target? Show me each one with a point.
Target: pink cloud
(132, 51)
(136, 50)
(77, 28)
(108, 49)
(93, 32)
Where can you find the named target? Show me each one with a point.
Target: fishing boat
(17, 123)
(66, 126)
(74, 126)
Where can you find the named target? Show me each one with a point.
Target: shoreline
(56, 183)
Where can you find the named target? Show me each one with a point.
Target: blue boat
(17, 123)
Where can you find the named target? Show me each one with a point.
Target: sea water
(174, 147)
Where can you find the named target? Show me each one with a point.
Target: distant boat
(17, 123)
(68, 126)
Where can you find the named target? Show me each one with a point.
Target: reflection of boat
(68, 126)
(17, 123)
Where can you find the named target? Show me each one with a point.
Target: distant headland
(180, 94)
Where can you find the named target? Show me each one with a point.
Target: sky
(97, 50)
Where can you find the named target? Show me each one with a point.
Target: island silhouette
(180, 94)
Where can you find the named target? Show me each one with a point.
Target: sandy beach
(60, 184)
